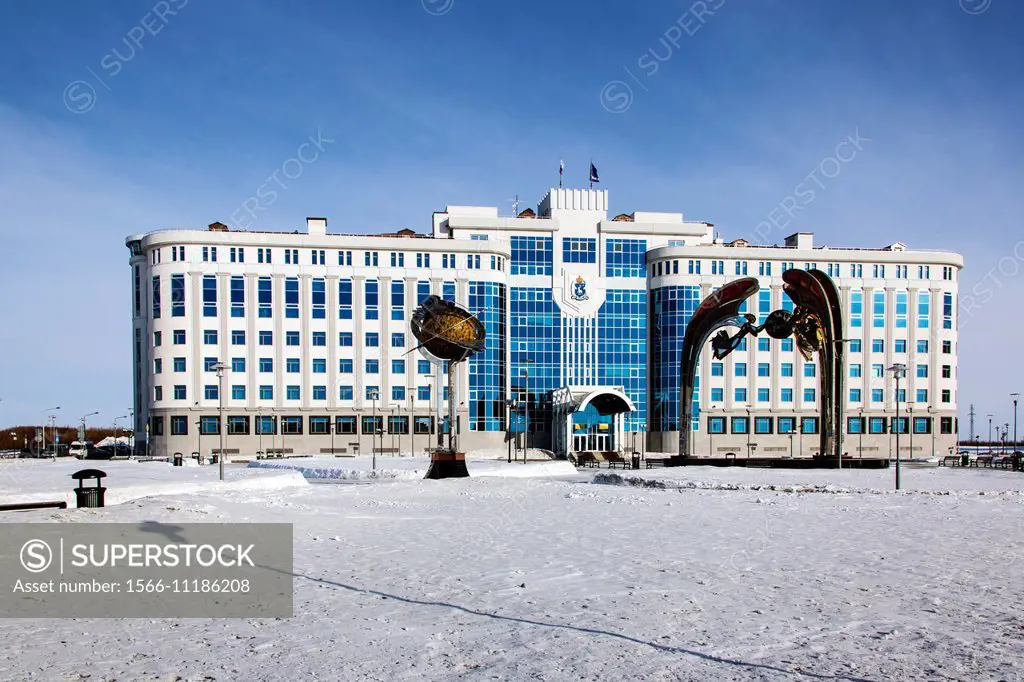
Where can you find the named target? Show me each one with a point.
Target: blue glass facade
(622, 348)
(535, 331)
(532, 256)
(625, 258)
(487, 301)
(671, 310)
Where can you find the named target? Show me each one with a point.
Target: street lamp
(989, 432)
(374, 393)
(910, 410)
(47, 418)
(220, 367)
(899, 371)
(750, 427)
(1015, 396)
(124, 416)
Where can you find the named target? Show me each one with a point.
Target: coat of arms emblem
(579, 289)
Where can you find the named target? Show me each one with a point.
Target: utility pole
(970, 416)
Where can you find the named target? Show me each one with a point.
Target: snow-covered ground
(361, 468)
(558, 578)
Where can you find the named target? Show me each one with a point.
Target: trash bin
(965, 460)
(92, 496)
(215, 459)
(179, 459)
(636, 460)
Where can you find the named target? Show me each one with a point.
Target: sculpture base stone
(447, 464)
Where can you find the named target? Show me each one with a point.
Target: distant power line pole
(970, 414)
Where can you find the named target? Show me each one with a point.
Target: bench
(950, 461)
(983, 460)
(587, 459)
(1003, 462)
(26, 506)
(615, 460)
(655, 462)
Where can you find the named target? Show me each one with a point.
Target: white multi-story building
(585, 317)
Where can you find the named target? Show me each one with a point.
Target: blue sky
(114, 120)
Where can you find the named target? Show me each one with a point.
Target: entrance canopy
(589, 418)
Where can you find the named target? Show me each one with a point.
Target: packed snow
(743, 575)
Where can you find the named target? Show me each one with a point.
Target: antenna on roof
(515, 205)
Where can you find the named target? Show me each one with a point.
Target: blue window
(855, 395)
(266, 426)
(210, 392)
(320, 339)
(209, 296)
(266, 365)
(266, 338)
(625, 258)
(741, 369)
(924, 304)
(810, 370)
(373, 393)
(179, 392)
(423, 367)
(210, 337)
(922, 395)
(809, 395)
(786, 425)
(717, 395)
(291, 297)
(786, 395)
(877, 371)
(763, 424)
(671, 308)
(855, 346)
(292, 365)
(266, 392)
(877, 346)
(156, 298)
(922, 346)
(372, 339)
(786, 369)
(764, 305)
(345, 393)
(922, 371)
(531, 256)
(373, 366)
(786, 345)
(345, 366)
(397, 259)
(398, 366)
(397, 300)
(877, 396)
(922, 425)
(319, 366)
(717, 369)
(238, 392)
(876, 425)
(370, 258)
(423, 393)
(319, 299)
(344, 299)
(237, 337)
(291, 338)
(398, 392)
(764, 344)
(878, 321)
(740, 395)
(947, 311)
(855, 371)
(291, 392)
(716, 425)
(901, 309)
(265, 297)
(398, 340)
(763, 369)
(809, 425)
(422, 291)
(740, 425)
(179, 364)
(856, 309)
(177, 295)
(763, 395)
(319, 393)
(579, 250)
(238, 365)
(855, 425)
(448, 291)
(345, 339)
(237, 297)
(372, 299)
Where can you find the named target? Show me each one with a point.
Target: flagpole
(590, 172)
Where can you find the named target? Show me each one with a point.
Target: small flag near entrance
(561, 171)
(593, 174)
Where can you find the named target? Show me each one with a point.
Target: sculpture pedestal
(447, 464)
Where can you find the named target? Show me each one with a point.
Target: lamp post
(115, 430)
(898, 371)
(412, 423)
(910, 420)
(220, 367)
(84, 417)
(373, 441)
(46, 418)
(259, 435)
(1006, 432)
(989, 432)
(750, 427)
(1015, 396)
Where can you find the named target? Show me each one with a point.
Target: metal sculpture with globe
(449, 332)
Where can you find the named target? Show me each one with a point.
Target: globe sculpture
(447, 332)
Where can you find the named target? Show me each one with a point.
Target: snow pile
(342, 474)
(409, 468)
